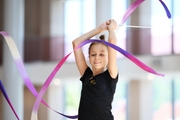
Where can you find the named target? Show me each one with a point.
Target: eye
(93, 54)
(101, 54)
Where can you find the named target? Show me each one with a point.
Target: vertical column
(139, 39)
(140, 100)
(133, 101)
(57, 29)
(14, 25)
(103, 11)
(56, 100)
(146, 93)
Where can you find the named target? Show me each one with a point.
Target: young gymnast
(99, 80)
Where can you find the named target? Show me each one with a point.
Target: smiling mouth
(97, 62)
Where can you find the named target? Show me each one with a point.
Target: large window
(166, 99)
(176, 98)
(165, 32)
(119, 106)
(161, 29)
(118, 10)
(176, 27)
(79, 18)
(72, 90)
(162, 105)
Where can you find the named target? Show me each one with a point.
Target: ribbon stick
(135, 26)
(166, 9)
(7, 99)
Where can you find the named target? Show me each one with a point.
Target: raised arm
(112, 57)
(79, 56)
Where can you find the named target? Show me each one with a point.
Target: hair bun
(102, 37)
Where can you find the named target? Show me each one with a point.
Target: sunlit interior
(48, 28)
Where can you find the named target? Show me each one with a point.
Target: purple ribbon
(135, 4)
(53, 73)
(48, 81)
(19, 63)
(166, 9)
(130, 10)
(39, 96)
(7, 99)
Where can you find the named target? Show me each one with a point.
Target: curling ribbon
(48, 81)
(135, 4)
(130, 10)
(7, 99)
(39, 96)
(18, 61)
(166, 9)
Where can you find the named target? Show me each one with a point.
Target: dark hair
(102, 37)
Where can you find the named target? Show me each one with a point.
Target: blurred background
(43, 31)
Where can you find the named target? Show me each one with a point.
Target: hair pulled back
(102, 37)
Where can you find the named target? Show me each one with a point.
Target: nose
(96, 56)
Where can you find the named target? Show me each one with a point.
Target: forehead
(98, 47)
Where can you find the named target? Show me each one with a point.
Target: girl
(99, 81)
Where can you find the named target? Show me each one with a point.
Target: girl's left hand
(112, 24)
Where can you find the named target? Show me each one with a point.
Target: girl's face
(98, 56)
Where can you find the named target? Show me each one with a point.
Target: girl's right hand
(104, 26)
